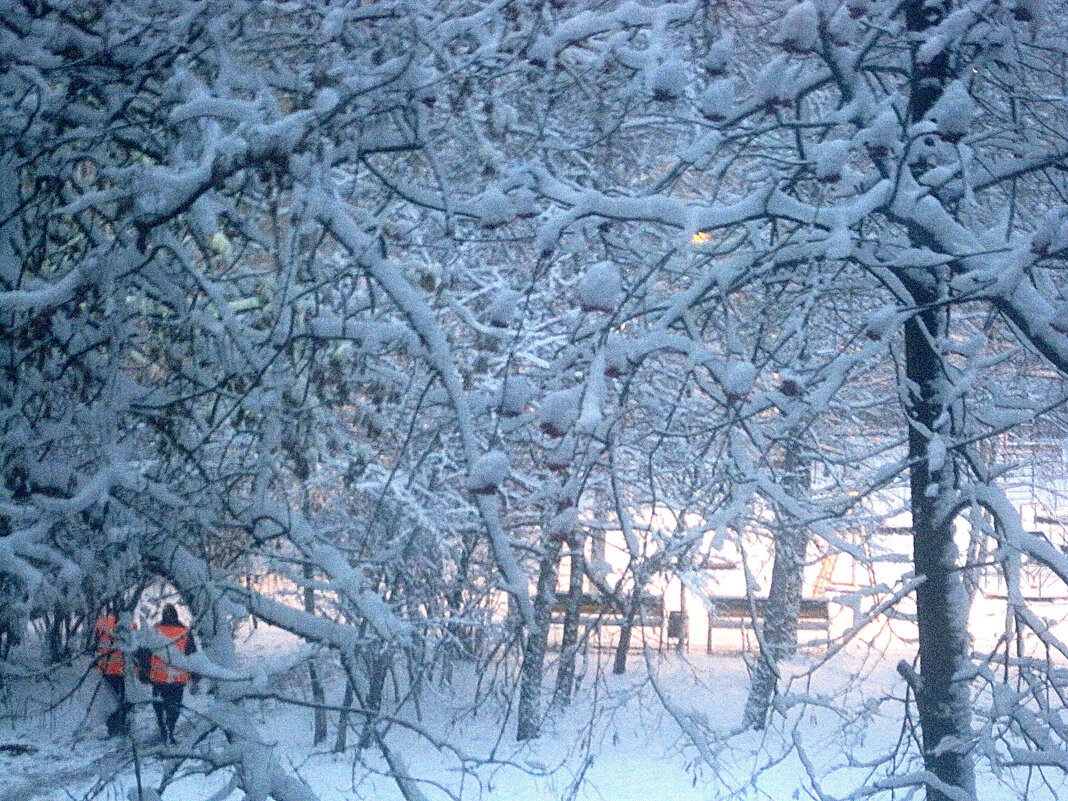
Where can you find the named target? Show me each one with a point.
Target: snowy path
(625, 746)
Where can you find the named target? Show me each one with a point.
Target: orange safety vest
(108, 658)
(160, 671)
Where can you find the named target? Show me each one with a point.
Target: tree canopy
(384, 298)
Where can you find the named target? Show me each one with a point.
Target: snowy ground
(623, 737)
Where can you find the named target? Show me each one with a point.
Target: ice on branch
(563, 523)
(839, 245)
(936, 454)
(843, 28)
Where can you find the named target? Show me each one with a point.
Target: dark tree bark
(342, 739)
(528, 716)
(619, 664)
(318, 693)
(565, 671)
(779, 638)
(377, 669)
(943, 699)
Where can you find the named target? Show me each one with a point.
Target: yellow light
(701, 237)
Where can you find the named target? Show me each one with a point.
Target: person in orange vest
(111, 664)
(168, 682)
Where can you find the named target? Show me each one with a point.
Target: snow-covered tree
(912, 151)
(214, 324)
(382, 297)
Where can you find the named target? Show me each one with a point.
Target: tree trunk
(528, 721)
(779, 639)
(682, 644)
(342, 739)
(57, 637)
(463, 642)
(942, 698)
(565, 671)
(619, 665)
(318, 693)
(376, 684)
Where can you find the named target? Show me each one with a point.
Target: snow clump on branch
(517, 391)
(504, 308)
(799, 30)
(488, 472)
(737, 378)
(954, 112)
(717, 101)
(559, 411)
(601, 288)
(667, 80)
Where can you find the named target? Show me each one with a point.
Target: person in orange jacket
(111, 664)
(168, 682)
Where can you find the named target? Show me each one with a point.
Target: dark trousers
(168, 705)
(117, 721)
